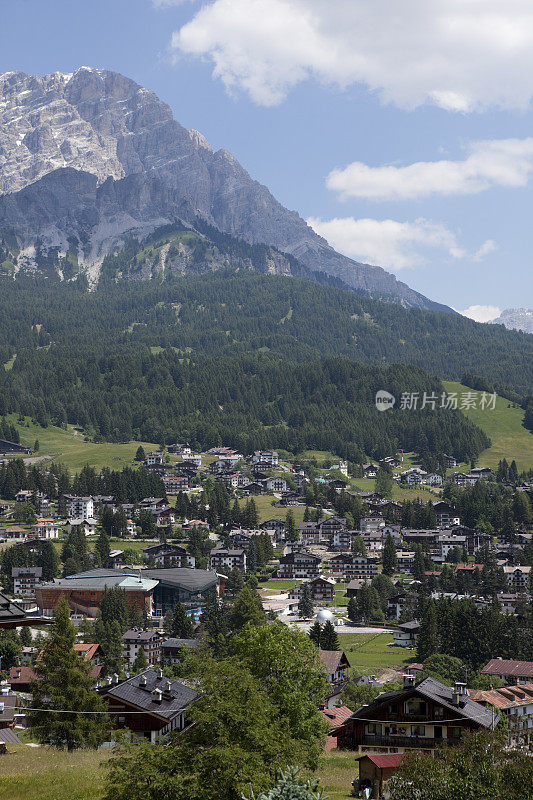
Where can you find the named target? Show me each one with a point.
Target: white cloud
(493, 162)
(481, 313)
(486, 249)
(460, 55)
(392, 244)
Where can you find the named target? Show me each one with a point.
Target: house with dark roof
(299, 565)
(174, 650)
(149, 704)
(420, 717)
(335, 665)
(134, 639)
(168, 555)
(12, 615)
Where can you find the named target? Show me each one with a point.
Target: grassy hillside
(504, 426)
(70, 447)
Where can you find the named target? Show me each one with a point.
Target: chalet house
(175, 483)
(154, 459)
(134, 639)
(269, 457)
(24, 496)
(371, 524)
(222, 558)
(353, 566)
(321, 588)
(168, 555)
(335, 665)
(255, 487)
(82, 507)
(481, 472)
(163, 703)
(391, 461)
(406, 634)
(299, 565)
(403, 714)
(25, 579)
(449, 461)
(445, 514)
(444, 544)
(413, 476)
(187, 467)
(195, 459)
(515, 704)
(309, 533)
(463, 479)
(87, 525)
(276, 484)
(154, 504)
(433, 479)
(510, 670)
(179, 449)
(330, 525)
(354, 586)
(342, 540)
(517, 577)
(370, 470)
(174, 650)
(396, 606)
(116, 559)
(44, 528)
(278, 525)
(406, 559)
(236, 480)
(14, 533)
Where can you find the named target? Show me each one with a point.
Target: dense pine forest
(244, 358)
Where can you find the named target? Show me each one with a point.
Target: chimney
(159, 674)
(408, 680)
(1, 708)
(459, 693)
(166, 685)
(115, 677)
(157, 695)
(142, 680)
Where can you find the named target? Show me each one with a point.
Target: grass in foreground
(509, 438)
(44, 773)
(369, 654)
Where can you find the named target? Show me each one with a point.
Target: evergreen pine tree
(329, 639)
(65, 684)
(353, 613)
(428, 641)
(141, 662)
(103, 548)
(291, 532)
(315, 633)
(182, 626)
(390, 559)
(305, 605)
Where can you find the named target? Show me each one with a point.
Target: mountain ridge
(149, 171)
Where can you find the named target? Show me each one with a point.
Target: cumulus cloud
(490, 163)
(481, 313)
(460, 55)
(392, 244)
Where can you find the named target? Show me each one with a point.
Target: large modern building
(190, 586)
(84, 591)
(153, 590)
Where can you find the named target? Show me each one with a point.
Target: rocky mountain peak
(101, 123)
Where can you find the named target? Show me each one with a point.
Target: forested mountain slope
(249, 359)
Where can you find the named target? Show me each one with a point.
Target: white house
(82, 507)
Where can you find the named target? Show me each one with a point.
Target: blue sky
(405, 139)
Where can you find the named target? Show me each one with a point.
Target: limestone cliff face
(91, 157)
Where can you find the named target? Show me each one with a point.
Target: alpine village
(266, 512)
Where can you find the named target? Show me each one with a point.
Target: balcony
(413, 742)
